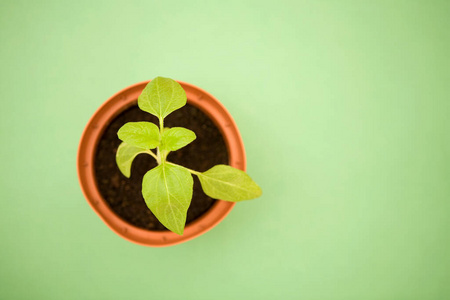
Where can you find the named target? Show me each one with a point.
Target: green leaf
(227, 183)
(140, 134)
(167, 190)
(162, 96)
(176, 138)
(125, 156)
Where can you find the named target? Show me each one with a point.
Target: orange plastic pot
(87, 149)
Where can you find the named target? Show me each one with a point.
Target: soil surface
(123, 194)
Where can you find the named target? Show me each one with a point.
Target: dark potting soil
(123, 194)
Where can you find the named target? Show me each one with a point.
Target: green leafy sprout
(167, 188)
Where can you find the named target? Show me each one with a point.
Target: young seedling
(167, 188)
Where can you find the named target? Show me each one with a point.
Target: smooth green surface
(144, 135)
(176, 138)
(344, 110)
(125, 155)
(229, 184)
(167, 190)
(161, 97)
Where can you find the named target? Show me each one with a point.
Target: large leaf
(125, 156)
(140, 134)
(167, 190)
(175, 138)
(227, 183)
(161, 97)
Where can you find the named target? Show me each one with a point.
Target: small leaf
(162, 96)
(167, 190)
(140, 134)
(125, 156)
(229, 184)
(176, 138)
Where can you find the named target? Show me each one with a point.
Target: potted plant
(167, 185)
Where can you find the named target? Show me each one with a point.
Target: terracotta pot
(87, 148)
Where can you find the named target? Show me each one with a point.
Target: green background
(344, 111)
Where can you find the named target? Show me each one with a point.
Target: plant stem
(160, 155)
(192, 171)
(152, 154)
(161, 125)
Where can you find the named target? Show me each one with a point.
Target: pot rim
(92, 133)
